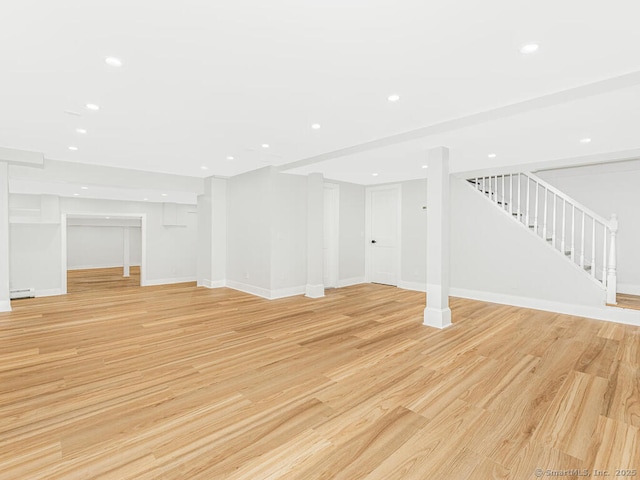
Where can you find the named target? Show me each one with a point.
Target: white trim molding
(63, 254)
(5, 306)
(103, 265)
(250, 289)
(331, 248)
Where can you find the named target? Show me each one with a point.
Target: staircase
(579, 234)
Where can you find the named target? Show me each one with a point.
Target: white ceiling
(201, 81)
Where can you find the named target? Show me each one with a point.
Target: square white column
(438, 314)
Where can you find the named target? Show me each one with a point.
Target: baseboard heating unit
(22, 293)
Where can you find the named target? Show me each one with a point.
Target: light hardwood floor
(628, 301)
(101, 278)
(179, 382)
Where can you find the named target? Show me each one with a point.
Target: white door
(383, 221)
(331, 206)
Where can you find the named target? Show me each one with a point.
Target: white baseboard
(415, 286)
(288, 292)
(610, 314)
(5, 306)
(347, 282)
(212, 283)
(167, 281)
(629, 289)
(437, 317)
(314, 291)
(49, 292)
(265, 292)
(251, 289)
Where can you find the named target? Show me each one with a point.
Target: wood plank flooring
(628, 301)
(101, 278)
(179, 382)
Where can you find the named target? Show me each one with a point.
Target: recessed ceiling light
(81, 130)
(374, 174)
(107, 218)
(92, 106)
(84, 188)
(492, 155)
(585, 140)
(315, 126)
(76, 194)
(73, 148)
(145, 199)
(230, 158)
(265, 145)
(529, 48)
(113, 61)
(393, 98)
(164, 194)
(204, 167)
(71, 112)
(425, 166)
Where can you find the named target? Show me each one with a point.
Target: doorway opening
(104, 251)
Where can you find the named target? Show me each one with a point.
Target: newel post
(613, 262)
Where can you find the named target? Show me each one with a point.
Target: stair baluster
(527, 207)
(573, 233)
(582, 243)
(604, 256)
(535, 217)
(564, 226)
(593, 248)
(612, 283)
(544, 223)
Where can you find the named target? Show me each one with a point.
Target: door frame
(368, 254)
(143, 240)
(334, 239)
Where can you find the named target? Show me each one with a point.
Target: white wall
(101, 247)
(35, 258)
(608, 189)
(413, 246)
(351, 233)
(496, 259)
(249, 231)
(289, 234)
(266, 233)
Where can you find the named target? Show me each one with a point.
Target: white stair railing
(569, 227)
